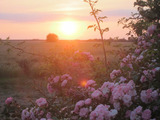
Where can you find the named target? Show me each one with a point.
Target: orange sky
(32, 19)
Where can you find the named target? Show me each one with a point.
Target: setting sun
(68, 27)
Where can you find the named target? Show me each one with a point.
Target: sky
(34, 19)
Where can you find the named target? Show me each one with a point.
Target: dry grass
(14, 82)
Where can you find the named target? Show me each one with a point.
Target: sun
(68, 27)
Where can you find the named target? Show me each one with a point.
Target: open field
(16, 83)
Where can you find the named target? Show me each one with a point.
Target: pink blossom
(80, 103)
(146, 115)
(91, 58)
(122, 79)
(115, 73)
(76, 52)
(133, 115)
(41, 102)
(101, 112)
(9, 100)
(48, 116)
(154, 94)
(83, 112)
(143, 79)
(25, 114)
(64, 83)
(56, 79)
(138, 110)
(122, 64)
(128, 113)
(117, 105)
(130, 66)
(96, 94)
(66, 77)
(127, 99)
(137, 51)
(90, 83)
(50, 88)
(113, 113)
(88, 101)
(41, 113)
(151, 29)
(159, 35)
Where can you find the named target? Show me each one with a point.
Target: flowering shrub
(83, 56)
(126, 93)
(132, 92)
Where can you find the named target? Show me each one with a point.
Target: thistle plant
(99, 19)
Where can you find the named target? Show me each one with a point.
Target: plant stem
(101, 33)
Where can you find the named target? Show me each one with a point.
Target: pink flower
(143, 79)
(88, 101)
(9, 100)
(122, 79)
(127, 99)
(25, 114)
(56, 79)
(115, 73)
(64, 83)
(80, 103)
(41, 102)
(154, 94)
(90, 83)
(137, 51)
(151, 29)
(159, 35)
(122, 65)
(83, 112)
(48, 115)
(146, 115)
(133, 115)
(96, 94)
(41, 113)
(66, 77)
(117, 105)
(49, 88)
(138, 110)
(101, 112)
(130, 66)
(113, 113)
(128, 113)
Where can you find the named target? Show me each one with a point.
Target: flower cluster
(102, 112)
(113, 97)
(138, 113)
(59, 81)
(83, 56)
(148, 96)
(115, 73)
(35, 113)
(81, 107)
(9, 100)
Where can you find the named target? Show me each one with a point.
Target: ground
(13, 79)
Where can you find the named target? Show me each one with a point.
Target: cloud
(55, 16)
(118, 12)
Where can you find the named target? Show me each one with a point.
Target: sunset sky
(34, 19)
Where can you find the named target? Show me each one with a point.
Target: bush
(52, 37)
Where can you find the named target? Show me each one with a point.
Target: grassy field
(13, 79)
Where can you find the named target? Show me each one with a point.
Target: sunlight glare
(68, 27)
(83, 83)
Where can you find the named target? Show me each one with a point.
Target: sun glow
(68, 27)
(83, 83)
